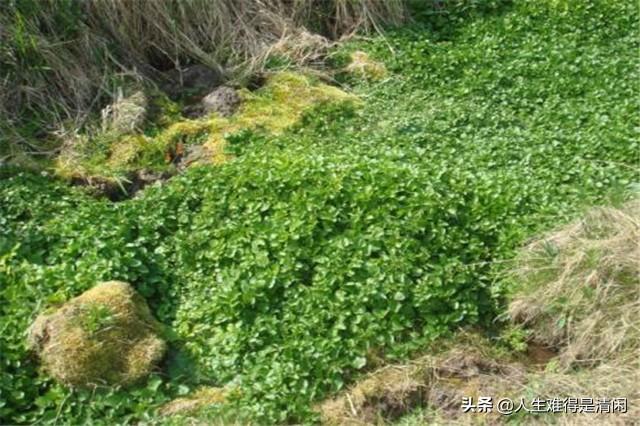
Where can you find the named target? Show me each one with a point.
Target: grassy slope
(359, 230)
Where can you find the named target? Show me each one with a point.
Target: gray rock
(194, 154)
(195, 79)
(224, 101)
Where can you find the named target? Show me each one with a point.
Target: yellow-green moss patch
(363, 66)
(273, 108)
(126, 151)
(276, 106)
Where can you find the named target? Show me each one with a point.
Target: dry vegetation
(581, 289)
(61, 61)
(106, 336)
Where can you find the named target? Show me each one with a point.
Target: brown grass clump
(201, 398)
(385, 394)
(125, 115)
(581, 287)
(580, 294)
(302, 47)
(465, 366)
(106, 336)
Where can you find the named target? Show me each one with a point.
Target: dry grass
(387, 393)
(125, 115)
(106, 336)
(201, 398)
(363, 66)
(62, 61)
(581, 287)
(581, 294)
(450, 369)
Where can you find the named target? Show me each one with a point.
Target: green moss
(162, 113)
(276, 106)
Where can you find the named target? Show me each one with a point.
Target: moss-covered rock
(223, 101)
(106, 336)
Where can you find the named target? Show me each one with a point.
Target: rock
(195, 80)
(224, 100)
(194, 154)
(201, 77)
(125, 115)
(106, 336)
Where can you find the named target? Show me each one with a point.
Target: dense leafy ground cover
(361, 231)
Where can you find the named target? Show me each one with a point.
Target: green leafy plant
(515, 338)
(96, 318)
(355, 232)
